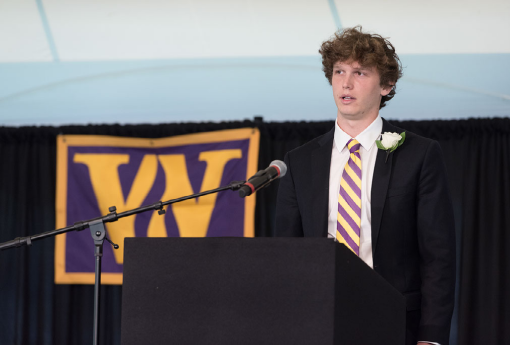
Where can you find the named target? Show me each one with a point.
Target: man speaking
(378, 189)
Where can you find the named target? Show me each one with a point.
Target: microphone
(262, 178)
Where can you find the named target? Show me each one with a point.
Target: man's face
(357, 90)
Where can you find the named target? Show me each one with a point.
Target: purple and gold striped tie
(349, 200)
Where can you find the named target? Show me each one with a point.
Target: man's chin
(349, 116)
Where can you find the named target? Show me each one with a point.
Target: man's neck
(354, 127)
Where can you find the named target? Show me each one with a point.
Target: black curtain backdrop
(33, 310)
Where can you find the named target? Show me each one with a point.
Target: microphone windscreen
(281, 166)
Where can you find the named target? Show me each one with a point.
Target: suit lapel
(321, 161)
(380, 183)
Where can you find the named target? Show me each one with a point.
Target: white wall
(158, 61)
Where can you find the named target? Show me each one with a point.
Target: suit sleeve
(288, 217)
(436, 241)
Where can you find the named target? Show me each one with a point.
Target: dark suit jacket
(413, 241)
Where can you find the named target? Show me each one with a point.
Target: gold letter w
(192, 216)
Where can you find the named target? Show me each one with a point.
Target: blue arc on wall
(278, 88)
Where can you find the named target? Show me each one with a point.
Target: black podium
(255, 291)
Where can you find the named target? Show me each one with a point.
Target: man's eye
(361, 73)
(337, 71)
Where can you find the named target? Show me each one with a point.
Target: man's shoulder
(310, 146)
(416, 150)
(412, 140)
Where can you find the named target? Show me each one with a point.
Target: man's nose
(347, 83)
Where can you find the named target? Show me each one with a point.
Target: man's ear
(386, 90)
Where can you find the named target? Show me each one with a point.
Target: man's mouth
(347, 99)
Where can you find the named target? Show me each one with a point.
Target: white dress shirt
(339, 157)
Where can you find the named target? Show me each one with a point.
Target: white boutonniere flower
(390, 142)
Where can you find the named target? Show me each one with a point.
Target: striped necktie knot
(353, 145)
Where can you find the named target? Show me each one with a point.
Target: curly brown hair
(369, 50)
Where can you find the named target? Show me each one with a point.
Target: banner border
(64, 141)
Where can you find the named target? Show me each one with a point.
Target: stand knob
(115, 246)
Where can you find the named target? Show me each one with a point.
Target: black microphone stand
(98, 233)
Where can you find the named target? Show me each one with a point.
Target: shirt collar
(366, 138)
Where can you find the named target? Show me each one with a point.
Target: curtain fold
(35, 311)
